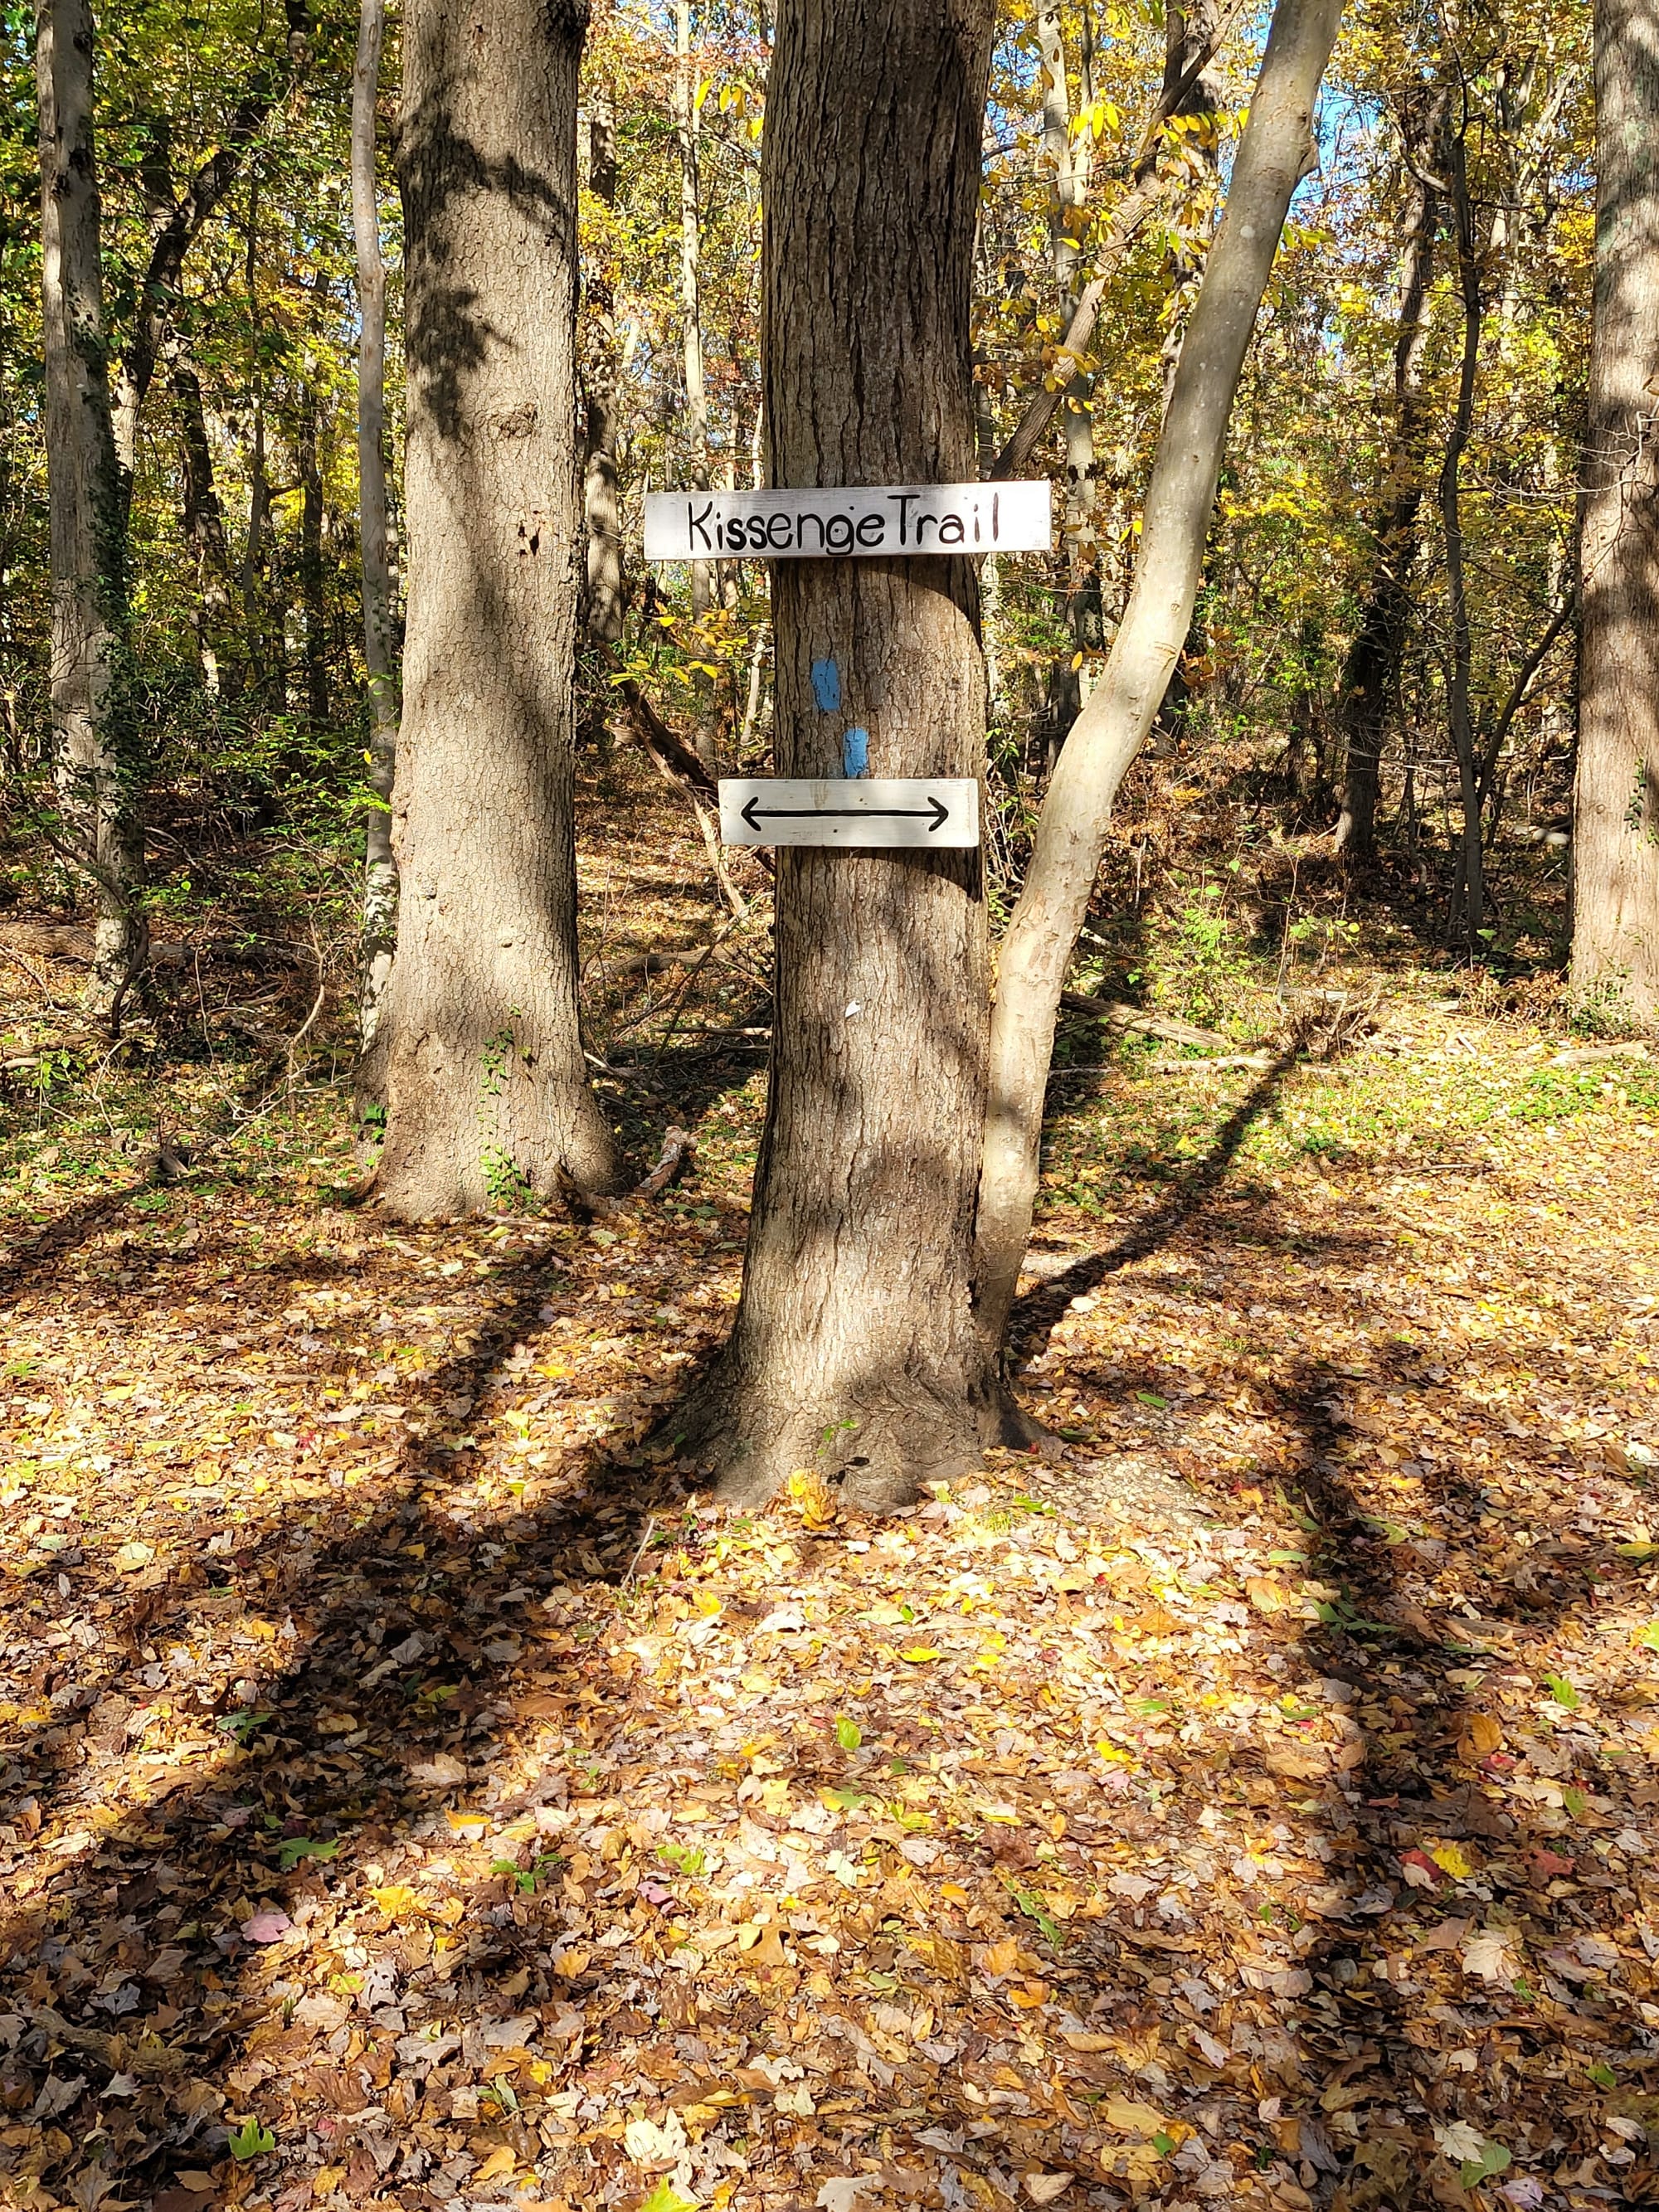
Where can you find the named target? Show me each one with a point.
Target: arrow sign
(928, 814)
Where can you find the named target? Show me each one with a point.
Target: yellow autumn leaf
(398, 1902)
(1001, 1958)
(500, 2161)
(811, 1497)
(1453, 1859)
(1484, 1733)
(1130, 2118)
(919, 1655)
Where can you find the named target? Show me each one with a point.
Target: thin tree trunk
(602, 497)
(854, 1349)
(379, 643)
(313, 603)
(1471, 881)
(96, 742)
(1371, 671)
(205, 533)
(1274, 154)
(696, 401)
(485, 1087)
(1615, 862)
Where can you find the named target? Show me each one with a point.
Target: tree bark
(486, 1093)
(855, 1350)
(1615, 924)
(379, 641)
(96, 747)
(1274, 155)
(1371, 667)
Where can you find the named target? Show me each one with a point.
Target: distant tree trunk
(1371, 671)
(204, 534)
(602, 498)
(313, 601)
(854, 1349)
(696, 401)
(379, 638)
(1470, 896)
(1615, 862)
(485, 1089)
(96, 743)
(1274, 154)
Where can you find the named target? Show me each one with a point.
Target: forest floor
(415, 1794)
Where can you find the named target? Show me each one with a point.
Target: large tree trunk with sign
(1274, 155)
(855, 1350)
(485, 1085)
(1616, 894)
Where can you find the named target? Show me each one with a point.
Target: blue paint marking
(826, 686)
(855, 753)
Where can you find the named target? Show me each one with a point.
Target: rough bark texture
(95, 744)
(1615, 933)
(485, 1089)
(1371, 669)
(602, 491)
(379, 643)
(1274, 155)
(855, 1349)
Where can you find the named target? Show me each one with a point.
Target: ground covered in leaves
(415, 1793)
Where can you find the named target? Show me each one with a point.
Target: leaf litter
(417, 1793)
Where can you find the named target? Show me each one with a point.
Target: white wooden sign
(931, 812)
(834, 525)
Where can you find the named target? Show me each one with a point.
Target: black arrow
(754, 813)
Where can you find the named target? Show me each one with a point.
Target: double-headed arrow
(936, 813)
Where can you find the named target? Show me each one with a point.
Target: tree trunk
(1470, 896)
(380, 645)
(855, 1349)
(696, 401)
(313, 605)
(96, 739)
(204, 532)
(485, 1089)
(1371, 668)
(1274, 155)
(1615, 921)
(602, 494)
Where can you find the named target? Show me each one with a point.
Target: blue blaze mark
(855, 753)
(826, 686)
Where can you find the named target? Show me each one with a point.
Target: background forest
(1325, 630)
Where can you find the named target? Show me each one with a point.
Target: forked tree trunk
(1274, 155)
(1615, 922)
(96, 741)
(380, 645)
(855, 1347)
(485, 1089)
